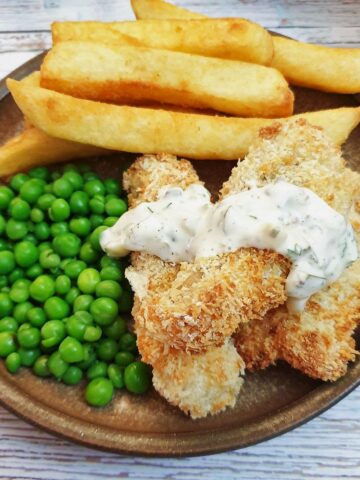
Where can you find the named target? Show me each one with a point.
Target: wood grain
(328, 447)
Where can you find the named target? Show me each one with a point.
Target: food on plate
(112, 73)
(319, 340)
(303, 64)
(216, 372)
(132, 129)
(232, 38)
(196, 288)
(33, 147)
(158, 9)
(62, 299)
(316, 66)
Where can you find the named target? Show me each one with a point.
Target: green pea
(58, 228)
(95, 237)
(112, 186)
(44, 246)
(8, 324)
(3, 281)
(19, 209)
(16, 229)
(115, 207)
(127, 342)
(45, 201)
(53, 333)
(94, 187)
(71, 350)
(6, 305)
(37, 215)
(42, 231)
(59, 210)
(72, 376)
(40, 172)
(72, 295)
(55, 175)
(19, 295)
(7, 262)
(137, 377)
(98, 369)
(97, 204)
(107, 349)
(76, 327)
(26, 254)
(89, 357)
(13, 362)
(29, 356)
(56, 308)
(99, 392)
(18, 180)
(5, 244)
(71, 167)
(29, 338)
(116, 329)
(21, 310)
(83, 302)
(62, 188)
(116, 375)
(89, 175)
(123, 359)
(126, 302)
(6, 195)
(62, 284)
(22, 283)
(74, 268)
(24, 326)
(108, 288)
(88, 279)
(57, 366)
(42, 288)
(40, 367)
(111, 273)
(31, 190)
(79, 203)
(110, 221)
(74, 178)
(7, 344)
(104, 310)
(80, 226)
(2, 224)
(88, 254)
(92, 333)
(107, 261)
(30, 237)
(34, 271)
(48, 259)
(36, 317)
(67, 245)
(96, 220)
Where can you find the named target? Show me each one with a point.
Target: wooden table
(328, 447)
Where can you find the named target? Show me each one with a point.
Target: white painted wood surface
(328, 447)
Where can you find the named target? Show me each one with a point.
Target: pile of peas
(60, 295)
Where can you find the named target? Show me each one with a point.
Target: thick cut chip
(235, 39)
(147, 130)
(136, 75)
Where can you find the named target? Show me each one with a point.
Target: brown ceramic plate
(271, 402)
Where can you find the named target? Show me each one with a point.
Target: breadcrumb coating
(319, 341)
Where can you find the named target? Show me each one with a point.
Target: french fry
(134, 129)
(33, 147)
(136, 74)
(328, 69)
(235, 39)
(158, 9)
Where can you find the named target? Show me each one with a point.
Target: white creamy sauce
(183, 225)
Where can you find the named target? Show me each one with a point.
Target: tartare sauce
(183, 225)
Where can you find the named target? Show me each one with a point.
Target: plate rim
(73, 429)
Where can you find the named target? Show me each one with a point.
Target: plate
(271, 402)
